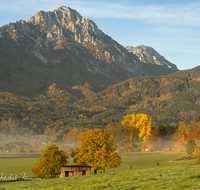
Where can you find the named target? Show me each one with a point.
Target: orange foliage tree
(179, 138)
(96, 150)
(194, 135)
(50, 162)
(72, 136)
(185, 133)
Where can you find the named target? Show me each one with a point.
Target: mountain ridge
(167, 99)
(72, 49)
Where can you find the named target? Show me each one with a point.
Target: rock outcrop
(149, 55)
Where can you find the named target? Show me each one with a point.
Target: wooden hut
(74, 170)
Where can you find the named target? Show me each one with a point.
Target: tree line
(134, 133)
(101, 149)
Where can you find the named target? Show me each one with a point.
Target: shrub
(190, 146)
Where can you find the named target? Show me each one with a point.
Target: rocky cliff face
(149, 55)
(73, 45)
(65, 28)
(66, 21)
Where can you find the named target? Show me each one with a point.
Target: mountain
(65, 48)
(167, 99)
(149, 55)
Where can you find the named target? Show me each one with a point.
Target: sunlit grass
(169, 177)
(144, 161)
(144, 174)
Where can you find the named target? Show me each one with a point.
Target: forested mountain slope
(167, 99)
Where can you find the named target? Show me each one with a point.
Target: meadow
(17, 166)
(137, 171)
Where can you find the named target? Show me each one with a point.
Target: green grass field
(145, 174)
(23, 164)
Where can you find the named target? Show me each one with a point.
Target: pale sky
(171, 27)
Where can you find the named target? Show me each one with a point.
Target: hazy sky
(172, 28)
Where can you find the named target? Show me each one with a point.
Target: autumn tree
(184, 133)
(50, 162)
(119, 134)
(179, 137)
(139, 127)
(96, 150)
(197, 119)
(73, 135)
(194, 135)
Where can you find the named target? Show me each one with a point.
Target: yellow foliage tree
(139, 125)
(50, 162)
(96, 150)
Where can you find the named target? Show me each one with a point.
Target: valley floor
(144, 174)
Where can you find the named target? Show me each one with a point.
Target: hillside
(167, 99)
(65, 48)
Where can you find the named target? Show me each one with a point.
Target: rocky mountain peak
(73, 44)
(65, 19)
(149, 55)
(46, 30)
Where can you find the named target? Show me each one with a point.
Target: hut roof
(75, 166)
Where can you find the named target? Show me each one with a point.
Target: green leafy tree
(50, 162)
(96, 150)
(190, 146)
